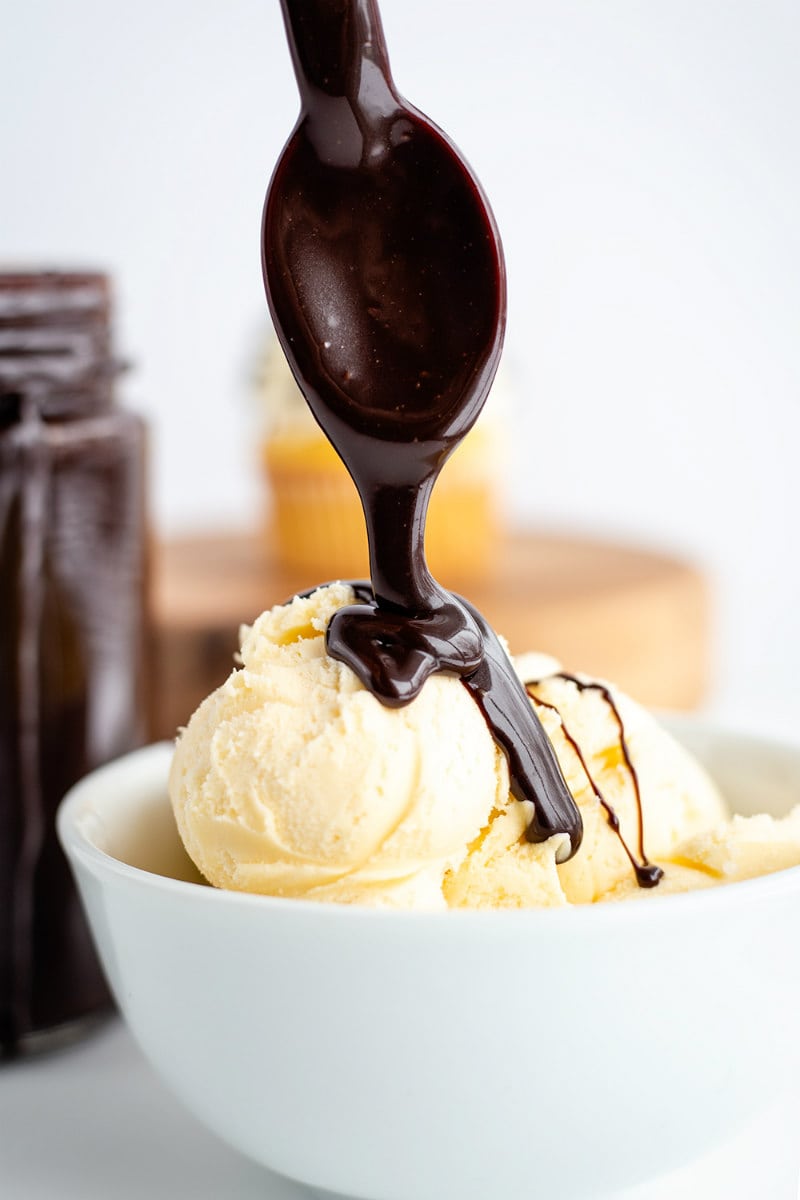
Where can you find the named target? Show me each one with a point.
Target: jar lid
(55, 343)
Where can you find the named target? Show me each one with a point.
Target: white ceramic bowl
(401, 1056)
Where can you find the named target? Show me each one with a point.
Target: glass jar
(73, 635)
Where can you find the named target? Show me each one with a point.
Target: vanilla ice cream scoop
(586, 722)
(734, 850)
(292, 779)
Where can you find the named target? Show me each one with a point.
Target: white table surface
(93, 1122)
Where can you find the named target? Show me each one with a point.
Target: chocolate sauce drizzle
(385, 278)
(648, 875)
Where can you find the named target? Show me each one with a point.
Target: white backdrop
(642, 159)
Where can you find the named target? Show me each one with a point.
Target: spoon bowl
(382, 261)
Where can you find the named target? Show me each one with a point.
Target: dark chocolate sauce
(647, 874)
(386, 283)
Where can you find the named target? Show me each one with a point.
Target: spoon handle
(395, 519)
(334, 43)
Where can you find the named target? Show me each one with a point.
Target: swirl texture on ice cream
(292, 779)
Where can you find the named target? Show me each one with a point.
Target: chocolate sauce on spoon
(386, 283)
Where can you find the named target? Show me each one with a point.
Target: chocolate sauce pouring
(386, 283)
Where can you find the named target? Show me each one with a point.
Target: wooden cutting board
(624, 614)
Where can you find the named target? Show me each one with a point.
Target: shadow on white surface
(94, 1122)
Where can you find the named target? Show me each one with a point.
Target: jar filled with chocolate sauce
(73, 637)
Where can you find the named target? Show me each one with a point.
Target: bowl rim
(154, 759)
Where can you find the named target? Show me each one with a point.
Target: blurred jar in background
(73, 638)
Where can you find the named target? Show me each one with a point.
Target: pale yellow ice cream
(678, 800)
(293, 780)
(738, 849)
